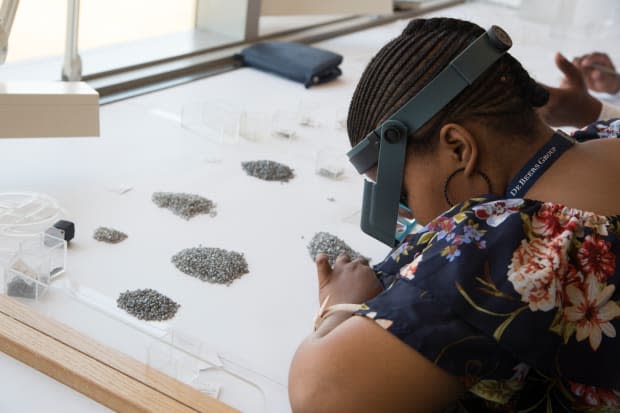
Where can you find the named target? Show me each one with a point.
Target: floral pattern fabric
(518, 298)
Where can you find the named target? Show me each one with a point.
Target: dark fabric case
(295, 61)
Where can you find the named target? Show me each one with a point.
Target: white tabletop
(261, 318)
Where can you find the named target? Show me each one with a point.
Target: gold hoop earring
(453, 174)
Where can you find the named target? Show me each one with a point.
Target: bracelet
(325, 311)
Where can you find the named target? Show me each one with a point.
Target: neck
(520, 153)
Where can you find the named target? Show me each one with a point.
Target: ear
(458, 144)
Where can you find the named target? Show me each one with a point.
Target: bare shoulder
(612, 144)
(587, 177)
(347, 371)
(601, 156)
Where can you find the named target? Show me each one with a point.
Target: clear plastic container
(25, 214)
(285, 125)
(255, 126)
(34, 265)
(309, 113)
(330, 163)
(218, 121)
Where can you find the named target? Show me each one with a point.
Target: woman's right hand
(350, 282)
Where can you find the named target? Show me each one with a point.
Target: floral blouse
(518, 298)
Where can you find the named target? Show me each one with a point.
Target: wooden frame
(99, 372)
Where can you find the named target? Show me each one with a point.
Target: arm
(351, 364)
(359, 367)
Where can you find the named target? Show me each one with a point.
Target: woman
(499, 303)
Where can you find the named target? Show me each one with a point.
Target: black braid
(530, 90)
(503, 97)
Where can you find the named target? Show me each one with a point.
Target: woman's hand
(599, 72)
(337, 368)
(570, 104)
(349, 281)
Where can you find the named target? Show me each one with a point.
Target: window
(137, 46)
(39, 27)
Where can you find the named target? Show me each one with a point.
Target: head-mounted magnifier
(386, 145)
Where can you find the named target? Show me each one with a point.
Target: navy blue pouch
(295, 61)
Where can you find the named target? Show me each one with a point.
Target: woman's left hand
(570, 104)
(348, 281)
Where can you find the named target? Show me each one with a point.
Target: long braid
(504, 96)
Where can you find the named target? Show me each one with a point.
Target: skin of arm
(359, 367)
(351, 364)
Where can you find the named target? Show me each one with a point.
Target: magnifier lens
(405, 223)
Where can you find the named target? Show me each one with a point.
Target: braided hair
(503, 97)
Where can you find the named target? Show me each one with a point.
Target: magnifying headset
(385, 147)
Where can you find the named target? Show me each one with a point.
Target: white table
(260, 318)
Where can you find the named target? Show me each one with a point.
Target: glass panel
(39, 27)
(118, 33)
(38, 30)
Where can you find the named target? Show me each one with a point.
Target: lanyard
(538, 164)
